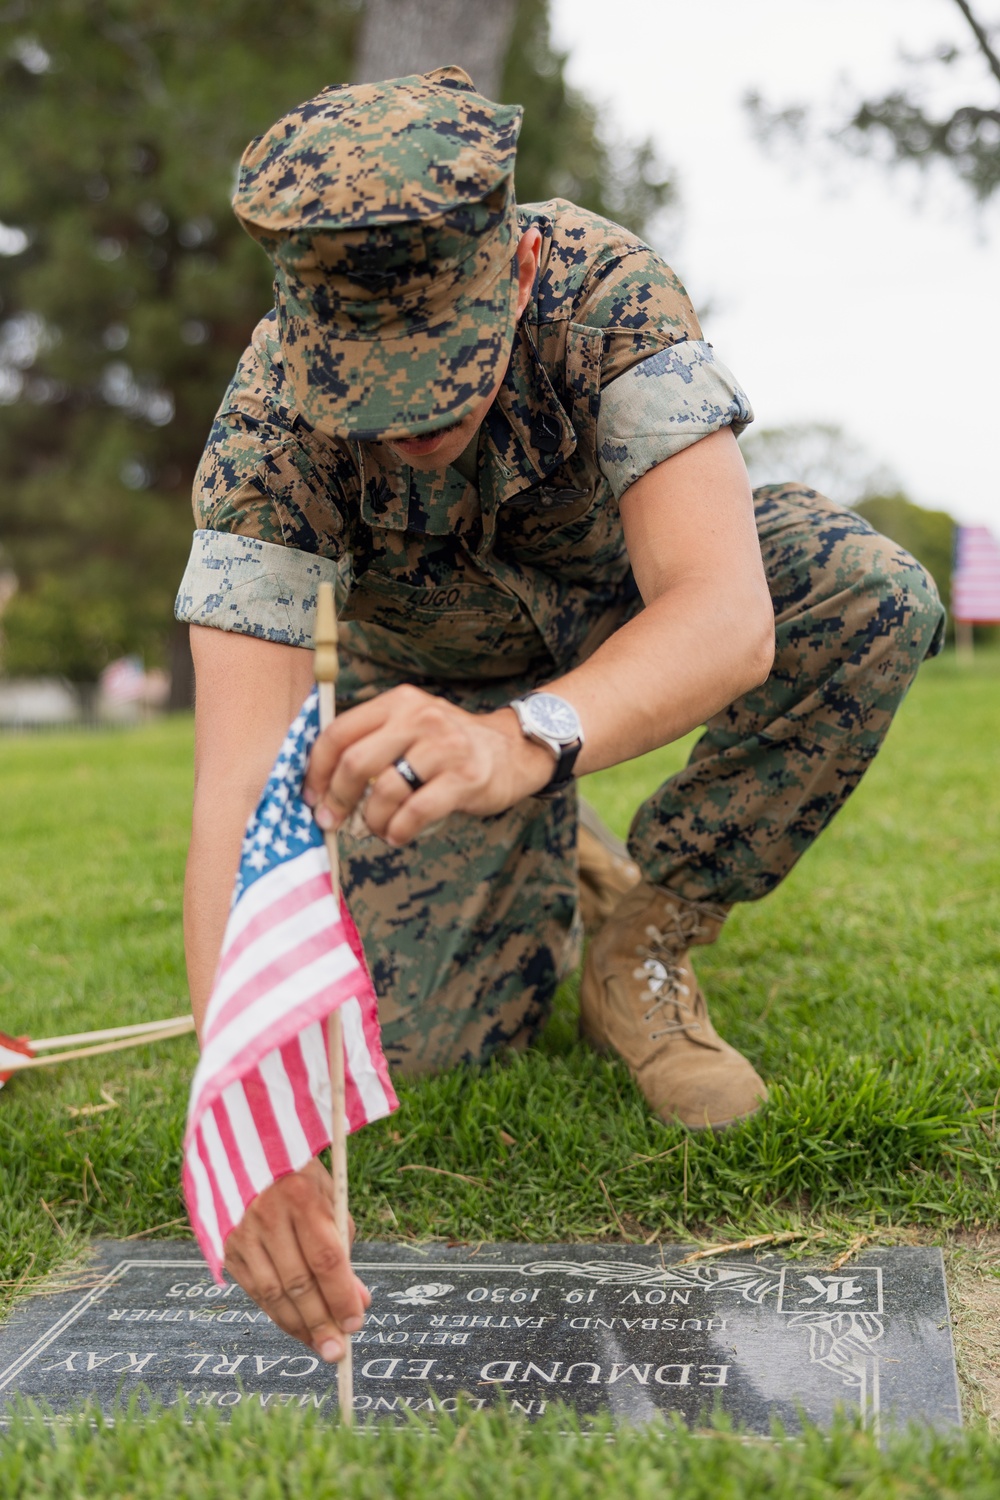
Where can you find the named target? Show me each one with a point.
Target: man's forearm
(216, 838)
(667, 671)
(706, 635)
(248, 692)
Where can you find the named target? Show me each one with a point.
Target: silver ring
(409, 775)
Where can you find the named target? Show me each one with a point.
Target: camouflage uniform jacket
(463, 586)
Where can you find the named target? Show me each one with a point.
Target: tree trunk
(86, 697)
(412, 36)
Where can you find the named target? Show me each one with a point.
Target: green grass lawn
(290, 1455)
(865, 990)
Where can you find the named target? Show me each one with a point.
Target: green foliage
(120, 127)
(904, 128)
(820, 455)
(967, 138)
(282, 1452)
(71, 624)
(865, 989)
(928, 534)
(564, 150)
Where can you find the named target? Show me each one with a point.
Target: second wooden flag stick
(326, 667)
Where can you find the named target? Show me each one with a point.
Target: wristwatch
(550, 721)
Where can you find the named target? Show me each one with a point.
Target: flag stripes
(975, 583)
(261, 1099)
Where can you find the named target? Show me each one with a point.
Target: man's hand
(287, 1255)
(473, 763)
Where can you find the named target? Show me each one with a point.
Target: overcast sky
(836, 290)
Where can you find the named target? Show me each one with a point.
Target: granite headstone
(639, 1331)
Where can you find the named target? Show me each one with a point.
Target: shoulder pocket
(308, 513)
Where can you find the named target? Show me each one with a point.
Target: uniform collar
(396, 497)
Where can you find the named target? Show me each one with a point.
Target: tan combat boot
(640, 998)
(606, 872)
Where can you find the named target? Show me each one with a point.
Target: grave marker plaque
(630, 1329)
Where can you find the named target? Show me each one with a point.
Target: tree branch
(981, 37)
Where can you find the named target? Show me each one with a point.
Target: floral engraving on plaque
(842, 1313)
(426, 1295)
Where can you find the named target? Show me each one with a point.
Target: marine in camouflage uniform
(489, 580)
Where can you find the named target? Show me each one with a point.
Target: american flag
(975, 582)
(123, 681)
(260, 1100)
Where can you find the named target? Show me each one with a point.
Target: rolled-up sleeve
(662, 404)
(252, 587)
(268, 507)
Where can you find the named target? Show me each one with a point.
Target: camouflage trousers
(470, 929)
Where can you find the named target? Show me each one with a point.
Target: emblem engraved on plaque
(856, 1290)
(427, 1295)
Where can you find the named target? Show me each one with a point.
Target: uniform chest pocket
(539, 524)
(451, 630)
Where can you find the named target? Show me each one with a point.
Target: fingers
(419, 810)
(317, 1287)
(468, 764)
(364, 763)
(390, 792)
(326, 1293)
(288, 1256)
(352, 754)
(249, 1263)
(398, 705)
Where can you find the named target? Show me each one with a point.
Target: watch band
(565, 751)
(563, 773)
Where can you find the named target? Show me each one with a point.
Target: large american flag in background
(260, 1100)
(975, 582)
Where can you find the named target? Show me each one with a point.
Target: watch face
(553, 716)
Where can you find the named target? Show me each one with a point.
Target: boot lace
(665, 987)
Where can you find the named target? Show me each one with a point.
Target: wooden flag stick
(51, 1059)
(111, 1033)
(326, 667)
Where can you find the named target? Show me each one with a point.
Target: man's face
(439, 449)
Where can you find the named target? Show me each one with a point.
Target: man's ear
(528, 251)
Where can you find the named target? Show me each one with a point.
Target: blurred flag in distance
(975, 581)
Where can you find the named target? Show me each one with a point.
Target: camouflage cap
(388, 211)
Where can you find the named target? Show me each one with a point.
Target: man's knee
(827, 562)
(895, 606)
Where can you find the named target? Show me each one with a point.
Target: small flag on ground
(975, 582)
(12, 1050)
(260, 1100)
